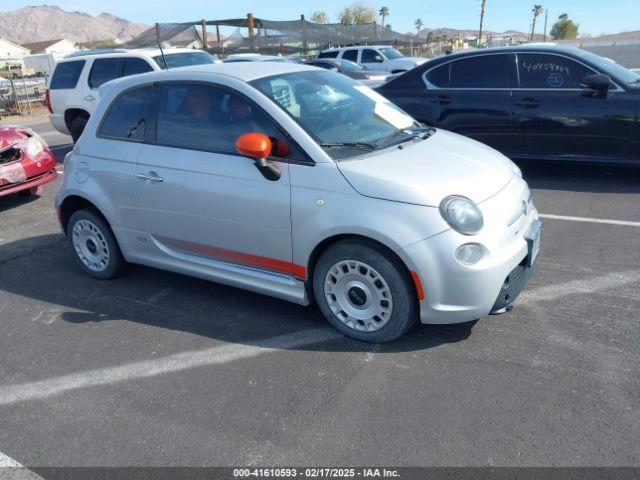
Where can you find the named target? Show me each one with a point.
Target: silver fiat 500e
(299, 183)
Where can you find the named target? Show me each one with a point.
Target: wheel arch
(72, 113)
(73, 203)
(328, 242)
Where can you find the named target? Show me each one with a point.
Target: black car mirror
(598, 82)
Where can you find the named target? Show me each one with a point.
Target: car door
(555, 117)
(101, 71)
(197, 196)
(472, 96)
(372, 59)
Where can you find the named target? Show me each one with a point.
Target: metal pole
(304, 36)
(26, 93)
(546, 18)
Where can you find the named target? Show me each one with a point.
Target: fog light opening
(469, 253)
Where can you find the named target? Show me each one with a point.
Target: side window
(483, 71)
(539, 70)
(127, 115)
(207, 117)
(103, 70)
(134, 66)
(66, 75)
(331, 54)
(350, 55)
(371, 56)
(439, 76)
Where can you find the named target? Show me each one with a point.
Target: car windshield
(609, 66)
(344, 117)
(175, 60)
(349, 66)
(391, 53)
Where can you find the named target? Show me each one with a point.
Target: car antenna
(164, 60)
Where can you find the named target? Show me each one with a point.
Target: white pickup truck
(375, 57)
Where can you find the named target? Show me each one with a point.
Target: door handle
(89, 98)
(441, 100)
(528, 103)
(150, 177)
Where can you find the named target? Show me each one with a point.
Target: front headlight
(35, 145)
(462, 214)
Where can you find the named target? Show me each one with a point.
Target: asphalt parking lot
(160, 369)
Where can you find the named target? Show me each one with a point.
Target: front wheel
(94, 246)
(365, 292)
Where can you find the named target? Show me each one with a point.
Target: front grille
(512, 286)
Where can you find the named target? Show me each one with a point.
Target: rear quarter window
(127, 116)
(333, 54)
(66, 75)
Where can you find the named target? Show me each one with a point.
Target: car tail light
(47, 100)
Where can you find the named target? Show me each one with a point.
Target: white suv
(375, 57)
(72, 93)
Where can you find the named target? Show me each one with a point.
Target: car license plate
(533, 241)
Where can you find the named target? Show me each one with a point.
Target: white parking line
(590, 220)
(581, 286)
(24, 473)
(151, 368)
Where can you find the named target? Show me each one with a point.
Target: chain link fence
(22, 95)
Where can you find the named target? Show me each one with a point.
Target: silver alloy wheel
(90, 245)
(358, 295)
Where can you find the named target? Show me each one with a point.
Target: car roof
(245, 71)
(537, 47)
(118, 52)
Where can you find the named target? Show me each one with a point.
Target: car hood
(425, 172)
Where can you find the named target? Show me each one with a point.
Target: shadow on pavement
(188, 305)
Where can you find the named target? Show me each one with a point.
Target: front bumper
(456, 293)
(29, 183)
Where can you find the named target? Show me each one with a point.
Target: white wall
(61, 48)
(8, 49)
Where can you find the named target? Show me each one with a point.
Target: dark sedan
(531, 101)
(353, 70)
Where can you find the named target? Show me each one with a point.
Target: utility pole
(484, 4)
(546, 19)
(250, 24)
(205, 45)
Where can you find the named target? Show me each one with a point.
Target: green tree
(384, 13)
(537, 11)
(319, 16)
(345, 16)
(418, 24)
(431, 38)
(564, 28)
(357, 13)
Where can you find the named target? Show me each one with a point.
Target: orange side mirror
(254, 145)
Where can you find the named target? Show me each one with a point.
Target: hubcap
(358, 295)
(90, 245)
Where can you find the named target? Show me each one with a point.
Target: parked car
(254, 57)
(303, 184)
(529, 102)
(26, 163)
(371, 78)
(73, 89)
(374, 57)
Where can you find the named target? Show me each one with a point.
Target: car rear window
(66, 75)
(332, 54)
(127, 115)
(175, 60)
(350, 55)
(103, 70)
(483, 71)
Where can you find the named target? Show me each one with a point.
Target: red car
(26, 163)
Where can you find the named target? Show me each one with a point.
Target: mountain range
(49, 22)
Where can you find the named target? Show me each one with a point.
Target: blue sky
(594, 16)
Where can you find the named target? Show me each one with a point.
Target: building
(58, 48)
(11, 50)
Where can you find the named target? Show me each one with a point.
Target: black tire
(393, 272)
(115, 264)
(77, 127)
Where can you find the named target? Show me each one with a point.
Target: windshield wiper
(348, 144)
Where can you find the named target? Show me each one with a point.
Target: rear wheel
(94, 246)
(365, 292)
(77, 127)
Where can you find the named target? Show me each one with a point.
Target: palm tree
(418, 24)
(537, 10)
(384, 13)
(482, 7)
